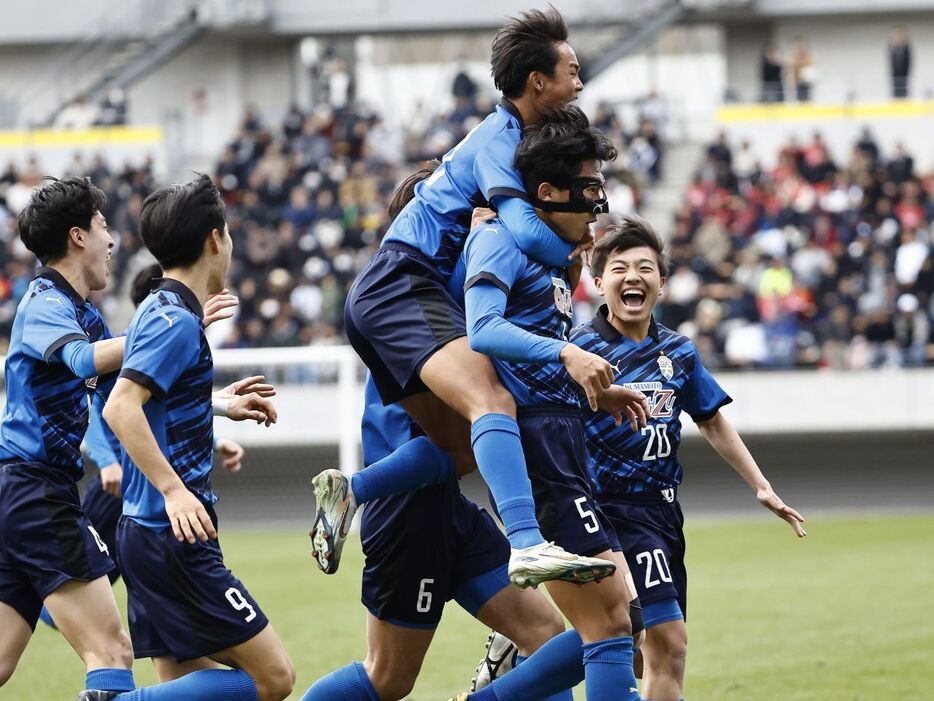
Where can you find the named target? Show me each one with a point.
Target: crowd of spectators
(813, 262)
(306, 203)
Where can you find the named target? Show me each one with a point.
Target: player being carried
(409, 329)
(187, 611)
(637, 474)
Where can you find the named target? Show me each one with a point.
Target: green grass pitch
(845, 615)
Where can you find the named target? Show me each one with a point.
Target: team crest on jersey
(562, 295)
(91, 383)
(666, 366)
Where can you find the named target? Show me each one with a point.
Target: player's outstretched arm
(726, 441)
(255, 384)
(108, 354)
(124, 414)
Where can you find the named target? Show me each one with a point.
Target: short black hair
(525, 44)
(174, 222)
(54, 208)
(406, 190)
(631, 231)
(554, 150)
(142, 283)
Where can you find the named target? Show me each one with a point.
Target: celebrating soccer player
(403, 320)
(187, 610)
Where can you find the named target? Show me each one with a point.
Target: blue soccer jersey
(667, 368)
(46, 413)
(167, 352)
(473, 173)
(538, 304)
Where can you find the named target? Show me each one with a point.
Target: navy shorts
(182, 601)
(555, 450)
(103, 510)
(651, 531)
(398, 314)
(426, 547)
(45, 538)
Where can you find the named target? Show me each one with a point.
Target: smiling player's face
(561, 87)
(631, 283)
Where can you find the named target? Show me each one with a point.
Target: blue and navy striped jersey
(538, 300)
(167, 352)
(46, 413)
(667, 368)
(437, 220)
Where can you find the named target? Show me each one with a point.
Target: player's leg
(15, 633)
(665, 654)
(183, 602)
(168, 668)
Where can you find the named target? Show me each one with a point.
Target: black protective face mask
(578, 203)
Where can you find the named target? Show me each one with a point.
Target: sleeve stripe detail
(489, 277)
(506, 192)
(143, 379)
(64, 340)
(706, 416)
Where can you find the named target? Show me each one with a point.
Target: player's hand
(584, 248)
(252, 407)
(230, 453)
(773, 503)
(626, 404)
(111, 477)
(590, 371)
(480, 215)
(253, 384)
(219, 306)
(188, 516)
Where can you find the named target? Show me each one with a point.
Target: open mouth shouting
(633, 298)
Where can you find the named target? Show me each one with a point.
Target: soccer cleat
(500, 658)
(547, 562)
(336, 507)
(96, 695)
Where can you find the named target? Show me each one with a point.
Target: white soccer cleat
(500, 658)
(547, 562)
(336, 507)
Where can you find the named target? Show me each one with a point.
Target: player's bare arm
(108, 354)
(124, 414)
(723, 438)
(622, 401)
(590, 371)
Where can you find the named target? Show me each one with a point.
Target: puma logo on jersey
(56, 299)
(170, 319)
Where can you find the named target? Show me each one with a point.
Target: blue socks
(109, 679)
(498, 450)
(608, 670)
(554, 669)
(349, 683)
(203, 685)
(566, 695)
(414, 464)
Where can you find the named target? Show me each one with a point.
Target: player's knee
(392, 681)
(276, 681)
(492, 398)
(616, 622)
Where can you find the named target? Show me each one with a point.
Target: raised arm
(721, 435)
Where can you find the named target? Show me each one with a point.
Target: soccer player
(102, 502)
(410, 331)
(519, 313)
(422, 549)
(637, 474)
(187, 611)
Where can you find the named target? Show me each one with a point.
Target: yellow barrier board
(95, 136)
(737, 114)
